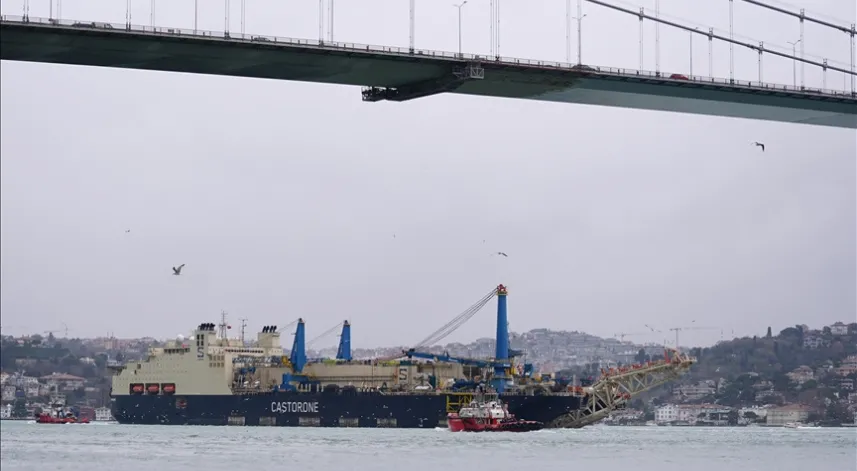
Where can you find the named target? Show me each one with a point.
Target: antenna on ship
(223, 325)
(243, 326)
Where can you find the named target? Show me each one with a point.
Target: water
(28, 446)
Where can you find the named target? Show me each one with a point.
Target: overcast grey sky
(283, 198)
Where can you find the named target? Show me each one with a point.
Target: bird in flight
(759, 144)
(178, 271)
(127, 230)
(501, 253)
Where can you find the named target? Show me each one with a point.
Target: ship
(209, 379)
(60, 413)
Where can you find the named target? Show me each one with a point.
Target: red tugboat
(489, 415)
(59, 416)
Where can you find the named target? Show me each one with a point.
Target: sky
(283, 202)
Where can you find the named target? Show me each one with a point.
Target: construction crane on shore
(680, 329)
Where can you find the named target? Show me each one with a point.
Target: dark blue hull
(322, 410)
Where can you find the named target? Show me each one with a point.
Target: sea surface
(29, 446)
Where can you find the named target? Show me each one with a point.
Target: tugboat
(489, 414)
(59, 415)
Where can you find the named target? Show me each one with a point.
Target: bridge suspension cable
(457, 322)
(802, 15)
(754, 47)
(705, 29)
(283, 328)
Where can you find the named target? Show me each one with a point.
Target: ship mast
(223, 326)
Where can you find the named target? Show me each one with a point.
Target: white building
(102, 414)
(839, 329)
(696, 391)
(813, 341)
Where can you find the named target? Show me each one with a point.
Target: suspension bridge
(400, 74)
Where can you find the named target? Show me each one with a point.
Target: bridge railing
(676, 77)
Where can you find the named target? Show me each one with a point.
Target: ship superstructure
(209, 379)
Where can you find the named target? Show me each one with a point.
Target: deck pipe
(298, 354)
(502, 351)
(344, 351)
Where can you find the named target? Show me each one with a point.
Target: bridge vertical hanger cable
(497, 29)
(59, 9)
(412, 25)
(731, 46)
(579, 32)
(321, 21)
(242, 18)
(761, 48)
(568, 31)
(195, 15)
(642, 12)
(853, 90)
(226, 18)
(127, 14)
(152, 14)
(720, 38)
(824, 75)
(711, 52)
(491, 8)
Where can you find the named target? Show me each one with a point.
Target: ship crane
(64, 330)
(446, 358)
(324, 334)
(617, 386)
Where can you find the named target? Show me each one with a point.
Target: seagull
(178, 271)
(759, 144)
(127, 230)
(501, 253)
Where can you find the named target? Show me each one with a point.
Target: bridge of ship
(398, 74)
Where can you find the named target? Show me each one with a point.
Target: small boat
(792, 425)
(489, 415)
(59, 416)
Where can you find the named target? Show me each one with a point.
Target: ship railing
(444, 56)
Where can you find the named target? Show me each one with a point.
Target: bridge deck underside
(311, 63)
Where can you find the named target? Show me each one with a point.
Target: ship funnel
(298, 355)
(344, 351)
(502, 352)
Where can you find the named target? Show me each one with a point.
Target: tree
(768, 335)
(751, 415)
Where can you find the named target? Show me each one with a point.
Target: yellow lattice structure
(618, 385)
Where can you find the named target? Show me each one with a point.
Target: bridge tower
(344, 351)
